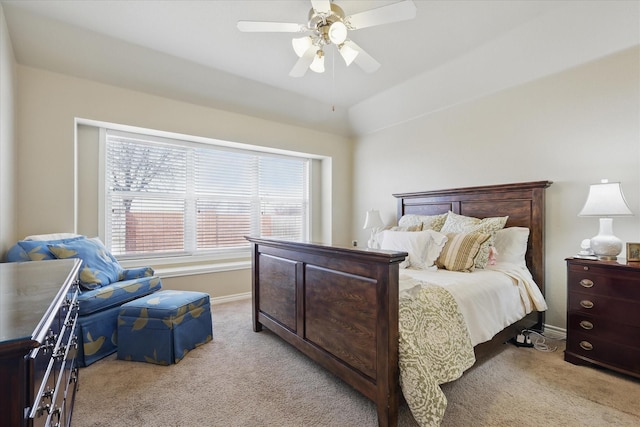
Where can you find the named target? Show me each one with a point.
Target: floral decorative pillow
(417, 227)
(98, 267)
(426, 222)
(456, 223)
(460, 251)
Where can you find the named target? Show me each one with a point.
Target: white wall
(572, 128)
(8, 200)
(49, 103)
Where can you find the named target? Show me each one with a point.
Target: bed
(340, 305)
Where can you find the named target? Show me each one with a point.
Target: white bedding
(489, 299)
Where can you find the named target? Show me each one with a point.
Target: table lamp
(374, 222)
(606, 200)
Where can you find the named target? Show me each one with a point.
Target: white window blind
(166, 197)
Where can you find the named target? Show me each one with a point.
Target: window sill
(192, 265)
(190, 270)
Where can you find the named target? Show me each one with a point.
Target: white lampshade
(318, 62)
(337, 33)
(606, 200)
(300, 45)
(348, 53)
(372, 220)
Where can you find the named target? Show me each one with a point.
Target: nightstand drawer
(615, 284)
(623, 311)
(604, 328)
(604, 352)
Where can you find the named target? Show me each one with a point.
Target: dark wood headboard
(522, 202)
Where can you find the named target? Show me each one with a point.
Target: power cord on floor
(533, 338)
(540, 342)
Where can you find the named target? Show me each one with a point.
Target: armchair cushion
(136, 273)
(116, 294)
(98, 267)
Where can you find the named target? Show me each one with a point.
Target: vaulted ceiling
(453, 51)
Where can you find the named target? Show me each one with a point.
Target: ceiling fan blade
(363, 59)
(302, 65)
(321, 6)
(270, 27)
(401, 11)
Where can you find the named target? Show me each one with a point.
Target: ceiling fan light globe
(318, 63)
(337, 33)
(348, 53)
(300, 45)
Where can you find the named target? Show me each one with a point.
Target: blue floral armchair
(104, 287)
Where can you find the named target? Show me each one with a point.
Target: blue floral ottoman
(162, 327)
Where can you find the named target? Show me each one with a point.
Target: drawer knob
(42, 408)
(586, 283)
(586, 345)
(47, 393)
(586, 303)
(585, 324)
(585, 268)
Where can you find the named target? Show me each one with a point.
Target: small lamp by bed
(373, 221)
(606, 200)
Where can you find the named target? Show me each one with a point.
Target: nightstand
(603, 314)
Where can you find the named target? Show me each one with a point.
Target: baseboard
(230, 298)
(554, 332)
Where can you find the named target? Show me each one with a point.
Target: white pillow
(511, 245)
(377, 236)
(423, 247)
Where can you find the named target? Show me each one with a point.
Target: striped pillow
(460, 251)
(456, 223)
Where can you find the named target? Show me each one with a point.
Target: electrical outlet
(354, 243)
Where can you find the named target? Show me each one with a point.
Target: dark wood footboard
(339, 306)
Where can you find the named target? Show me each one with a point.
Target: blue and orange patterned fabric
(162, 328)
(102, 290)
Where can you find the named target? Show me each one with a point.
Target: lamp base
(605, 245)
(372, 243)
(607, 258)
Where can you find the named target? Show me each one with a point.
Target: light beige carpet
(243, 378)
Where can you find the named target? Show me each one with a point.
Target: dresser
(603, 314)
(38, 342)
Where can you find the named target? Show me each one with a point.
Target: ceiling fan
(329, 25)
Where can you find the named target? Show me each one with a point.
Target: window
(165, 197)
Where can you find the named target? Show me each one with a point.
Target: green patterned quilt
(435, 348)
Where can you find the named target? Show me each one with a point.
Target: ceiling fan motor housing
(322, 25)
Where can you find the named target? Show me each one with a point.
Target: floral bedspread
(435, 348)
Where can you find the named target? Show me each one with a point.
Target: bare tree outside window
(137, 174)
(175, 199)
